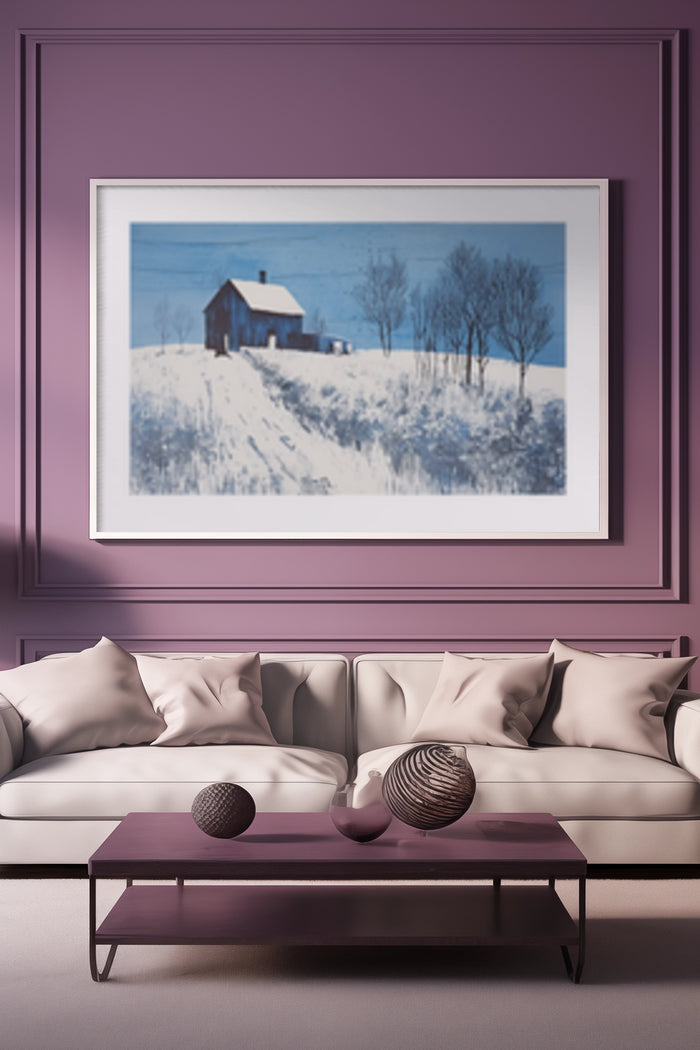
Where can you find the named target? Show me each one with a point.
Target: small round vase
(430, 786)
(361, 814)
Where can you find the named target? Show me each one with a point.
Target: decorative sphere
(430, 786)
(223, 810)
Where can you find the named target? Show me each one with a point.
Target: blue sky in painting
(321, 264)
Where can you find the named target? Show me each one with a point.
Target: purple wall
(383, 89)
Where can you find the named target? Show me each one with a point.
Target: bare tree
(382, 297)
(453, 321)
(318, 324)
(162, 322)
(523, 322)
(419, 318)
(425, 319)
(484, 315)
(183, 324)
(463, 268)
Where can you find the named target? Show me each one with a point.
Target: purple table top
(307, 846)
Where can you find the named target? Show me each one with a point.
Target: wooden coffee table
(323, 889)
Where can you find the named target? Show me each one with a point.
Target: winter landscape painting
(348, 359)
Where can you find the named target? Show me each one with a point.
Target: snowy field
(287, 422)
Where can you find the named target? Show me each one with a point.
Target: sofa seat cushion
(569, 782)
(112, 782)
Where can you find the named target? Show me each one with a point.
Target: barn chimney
(263, 277)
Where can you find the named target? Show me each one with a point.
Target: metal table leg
(95, 972)
(575, 974)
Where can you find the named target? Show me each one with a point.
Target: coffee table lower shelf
(338, 914)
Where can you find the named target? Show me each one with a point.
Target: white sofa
(332, 719)
(620, 808)
(59, 808)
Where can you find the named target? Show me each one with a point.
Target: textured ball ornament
(430, 786)
(223, 810)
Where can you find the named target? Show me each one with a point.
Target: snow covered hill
(290, 423)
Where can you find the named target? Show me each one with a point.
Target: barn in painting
(252, 313)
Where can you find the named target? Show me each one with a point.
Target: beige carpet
(640, 991)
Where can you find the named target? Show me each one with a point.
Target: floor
(640, 989)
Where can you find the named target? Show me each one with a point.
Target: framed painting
(349, 359)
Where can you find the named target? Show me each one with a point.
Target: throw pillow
(207, 700)
(80, 702)
(486, 701)
(616, 702)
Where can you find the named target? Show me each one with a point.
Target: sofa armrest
(11, 737)
(684, 729)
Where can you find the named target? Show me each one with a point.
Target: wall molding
(33, 647)
(344, 594)
(349, 36)
(668, 575)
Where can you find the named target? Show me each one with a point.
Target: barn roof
(267, 298)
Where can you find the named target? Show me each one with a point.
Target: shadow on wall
(31, 612)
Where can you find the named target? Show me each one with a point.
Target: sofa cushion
(684, 724)
(86, 700)
(570, 782)
(11, 737)
(392, 690)
(478, 701)
(110, 783)
(610, 701)
(206, 700)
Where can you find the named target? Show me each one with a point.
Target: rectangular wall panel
(34, 648)
(159, 89)
(163, 119)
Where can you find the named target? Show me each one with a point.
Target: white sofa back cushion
(391, 691)
(305, 696)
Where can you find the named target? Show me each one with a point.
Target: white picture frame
(160, 248)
